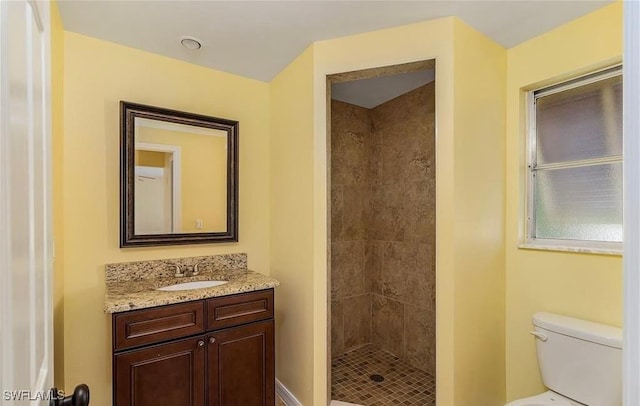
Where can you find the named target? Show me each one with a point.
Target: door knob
(80, 397)
(200, 343)
(212, 340)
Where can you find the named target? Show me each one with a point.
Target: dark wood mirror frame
(128, 112)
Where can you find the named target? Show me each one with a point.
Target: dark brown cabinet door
(163, 375)
(241, 368)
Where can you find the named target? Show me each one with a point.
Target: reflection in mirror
(179, 177)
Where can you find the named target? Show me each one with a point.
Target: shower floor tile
(402, 385)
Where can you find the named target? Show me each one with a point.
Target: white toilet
(580, 361)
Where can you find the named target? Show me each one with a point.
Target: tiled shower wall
(383, 227)
(350, 292)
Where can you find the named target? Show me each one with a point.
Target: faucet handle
(196, 270)
(179, 271)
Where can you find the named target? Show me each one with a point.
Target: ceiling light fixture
(191, 43)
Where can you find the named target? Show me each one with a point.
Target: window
(575, 163)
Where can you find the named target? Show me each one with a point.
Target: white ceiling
(257, 39)
(369, 93)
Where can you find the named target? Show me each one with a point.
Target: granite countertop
(125, 295)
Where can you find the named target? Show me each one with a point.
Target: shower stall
(383, 237)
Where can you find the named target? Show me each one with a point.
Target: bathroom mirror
(179, 177)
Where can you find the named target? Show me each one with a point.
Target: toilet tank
(579, 359)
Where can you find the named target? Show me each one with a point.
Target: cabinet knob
(212, 340)
(200, 343)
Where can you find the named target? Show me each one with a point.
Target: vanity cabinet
(211, 352)
(240, 363)
(165, 374)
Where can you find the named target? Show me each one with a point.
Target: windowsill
(580, 247)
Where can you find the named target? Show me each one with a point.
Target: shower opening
(382, 211)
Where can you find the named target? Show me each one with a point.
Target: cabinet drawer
(148, 326)
(239, 309)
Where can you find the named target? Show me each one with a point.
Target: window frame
(530, 241)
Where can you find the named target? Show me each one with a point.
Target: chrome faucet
(195, 269)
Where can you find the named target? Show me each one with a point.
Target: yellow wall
(469, 322)
(97, 75)
(149, 158)
(292, 204)
(57, 57)
(479, 161)
(579, 285)
(203, 172)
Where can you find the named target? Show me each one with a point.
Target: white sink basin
(192, 285)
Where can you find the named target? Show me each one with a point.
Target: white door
(152, 201)
(631, 121)
(26, 255)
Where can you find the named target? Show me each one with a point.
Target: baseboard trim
(286, 396)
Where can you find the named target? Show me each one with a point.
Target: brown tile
(346, 161)
(373, 266)
(374, 154)
(357, 321)
(353, 220)
(337, 328)
(392, 154)
(398, 262)
(431, 348)
(337, 210)
(347, 268)
(418, 339)
(419, 212)
(388, 324)
(420, 287)
(406, 153)
(374, 225)
(425, 257)
(420, 101)
(350, 126)
(404, 134)
(430, 121)
(420, 291)
(385, 221)
(426, 267)
(402, 385)
(349, 117)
